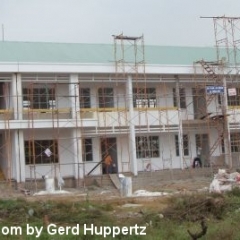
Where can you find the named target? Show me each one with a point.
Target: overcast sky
(163, 22)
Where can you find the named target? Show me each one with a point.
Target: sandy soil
(110, 194)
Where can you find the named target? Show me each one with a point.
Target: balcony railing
(62, 113)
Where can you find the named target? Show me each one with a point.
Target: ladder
(218, 123)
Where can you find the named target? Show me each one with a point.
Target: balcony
(37, 114)
(156, 116)
(6, 114)
(120, 117)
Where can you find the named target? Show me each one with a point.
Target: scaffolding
(218, 79)
(123, 113)
(129, 56)
(147, 117)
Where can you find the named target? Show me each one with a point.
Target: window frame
(144, 98)
(39, 146)
(39, 97)
(235, 142)
(85, 97)
(106, 97)
(185, 145)
(234, 100)
(149, 148)
(87, 150)
(182, 97)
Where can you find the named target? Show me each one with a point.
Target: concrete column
(132, 136)
(226, 130)
(16, 93)
(74, 96)
(76, 132)
(18, 163)
(180, 131)
(77, 154)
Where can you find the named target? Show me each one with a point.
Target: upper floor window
(144, 98)
(39, 98)
(105, 97)
(41, 151)
(85, 97)
(147, 147)
(235, 99)
(182, 97)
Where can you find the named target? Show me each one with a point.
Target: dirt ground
(95, 193)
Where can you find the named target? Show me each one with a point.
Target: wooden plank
(115, 180)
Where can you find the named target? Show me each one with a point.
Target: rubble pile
(224, 181)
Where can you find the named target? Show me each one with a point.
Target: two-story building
(64, 107)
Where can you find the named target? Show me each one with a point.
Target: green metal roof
(97, 53)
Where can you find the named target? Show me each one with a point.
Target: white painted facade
(69, 124)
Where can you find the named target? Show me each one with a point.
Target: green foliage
(221, 212)
(235, 192)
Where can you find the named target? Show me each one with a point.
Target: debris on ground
(224, 181)
(131, 205)
(56, 192)
(144, 193)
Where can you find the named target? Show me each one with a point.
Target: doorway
(109, 155)
(199, 103)
(202, 148)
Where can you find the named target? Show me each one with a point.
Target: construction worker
(108, 162)
(197, 162)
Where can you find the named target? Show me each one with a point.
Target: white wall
(67, 152)
(188, 113)
(167, 158)
(7, 154)
(65, 148)
(88, 166)
(123, 153)
(62, 96)
(165, 95)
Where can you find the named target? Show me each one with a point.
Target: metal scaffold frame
(220, 74)
(129, 56)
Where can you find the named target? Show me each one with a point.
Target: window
(235, 142)
(185, 145)
(39, 98)
(84, 96)
(144, 97)
(234, 100)
(147, 147)
(87, 150)
(41, 151)
(105, 97)
(182, 96)
(222, 143)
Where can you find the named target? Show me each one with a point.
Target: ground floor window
(147, 146)
(41, 151)
(235, 142)
(87, 149)
(185, 145)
